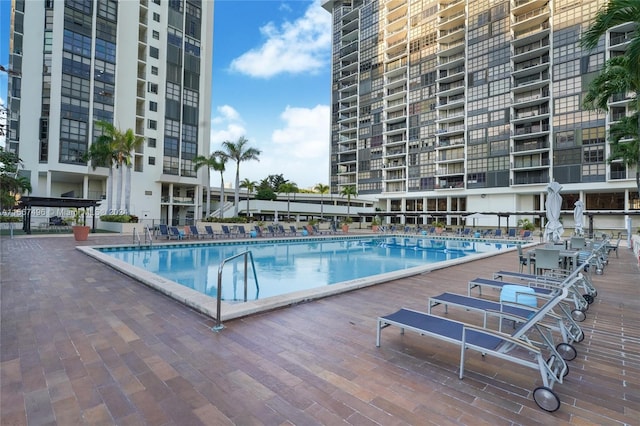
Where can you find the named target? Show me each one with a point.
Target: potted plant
(80, 230)
(439, 226)
(375, 224)
(525, 225)
(345, 224)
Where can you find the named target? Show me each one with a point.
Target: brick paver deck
(84, 344)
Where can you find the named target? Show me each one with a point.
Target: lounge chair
(518, 308)
(497, 233)
(511, 347)
(175, 233)
(241, 232)
(163, 231)
(210, 232)
(226, 231)
(292, 230)
(193, 231)
(523, 259)
(512, 233)
(281, 230)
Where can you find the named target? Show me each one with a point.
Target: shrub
(6, 218)
(119, 218)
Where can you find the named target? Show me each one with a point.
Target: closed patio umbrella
(553, 229)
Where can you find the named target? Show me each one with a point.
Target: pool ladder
(148, 240)
(247, 254)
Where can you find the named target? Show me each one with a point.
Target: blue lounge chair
(241, 232)
(163, 231)
(512, 233)
(193, 230)
(565, 326)
(292, 230)
(225, 231)
(497, 233)
(175, 233)
(512, 348)
(210, 233)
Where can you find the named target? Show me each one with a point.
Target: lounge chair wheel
(567, 351)
(546, 399)
(578, 315)
(588, 298)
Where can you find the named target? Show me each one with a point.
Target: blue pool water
(287, 266)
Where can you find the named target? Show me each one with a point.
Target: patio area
(84, 344)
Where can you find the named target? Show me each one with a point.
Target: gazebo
(28, 203)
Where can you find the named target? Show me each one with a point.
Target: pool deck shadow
(81, 343)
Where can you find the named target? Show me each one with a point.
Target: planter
(439, 230)
(345, 228)
(81, 233)
(375, 228)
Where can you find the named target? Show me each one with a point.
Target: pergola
(28, 203)
(540, 213)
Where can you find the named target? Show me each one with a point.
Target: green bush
(237, 219)
(119, 218)
(7, 219)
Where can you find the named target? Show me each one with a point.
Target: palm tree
(322, 189)
(250, 186)
(102, 153)
(210, 162)
(619, 75)
(130, 143)
(239, 152)
(288, 188)
(349, 191)
(221, 166)
(614, 13)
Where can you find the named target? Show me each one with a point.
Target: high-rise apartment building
(472, 105)
(143, 65)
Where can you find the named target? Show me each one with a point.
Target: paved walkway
(84, 344)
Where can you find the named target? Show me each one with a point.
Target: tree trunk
(110, 190)
(237, 191)
(127, 191)
(208, 210)
(119, 190)
(221, 209)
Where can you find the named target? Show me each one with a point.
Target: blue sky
(270, 84)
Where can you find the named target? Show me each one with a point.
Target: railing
(136, 237)
(246, 254)
(148, 239)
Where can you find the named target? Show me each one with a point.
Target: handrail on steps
(246, 254)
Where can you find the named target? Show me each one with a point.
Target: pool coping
(207, 305)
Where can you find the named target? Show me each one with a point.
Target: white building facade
(142, 65)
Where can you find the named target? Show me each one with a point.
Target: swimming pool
(288, 270)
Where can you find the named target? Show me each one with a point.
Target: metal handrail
(148, 239)
(136, 237)
(246, 253)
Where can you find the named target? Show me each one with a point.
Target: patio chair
(281, 230)
(614, 247)
(577, 243)
(241, 232)
(175, 233)
(549, 364)
(522, 258)
(512, 233)
(497, 233)
(210, 232)
(520, 303)
(292, 230)
(226, 231)
(163, 231)
(193, 232)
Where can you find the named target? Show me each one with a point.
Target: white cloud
(226, 126)
(299, 150)
(303, 45)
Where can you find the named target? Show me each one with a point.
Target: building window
(156, 16)
(153, 106)
(156, 35)
(154, 70)
(152, 87)
(152, 124)
(154, 52)
(152, 161)
(151, 142)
